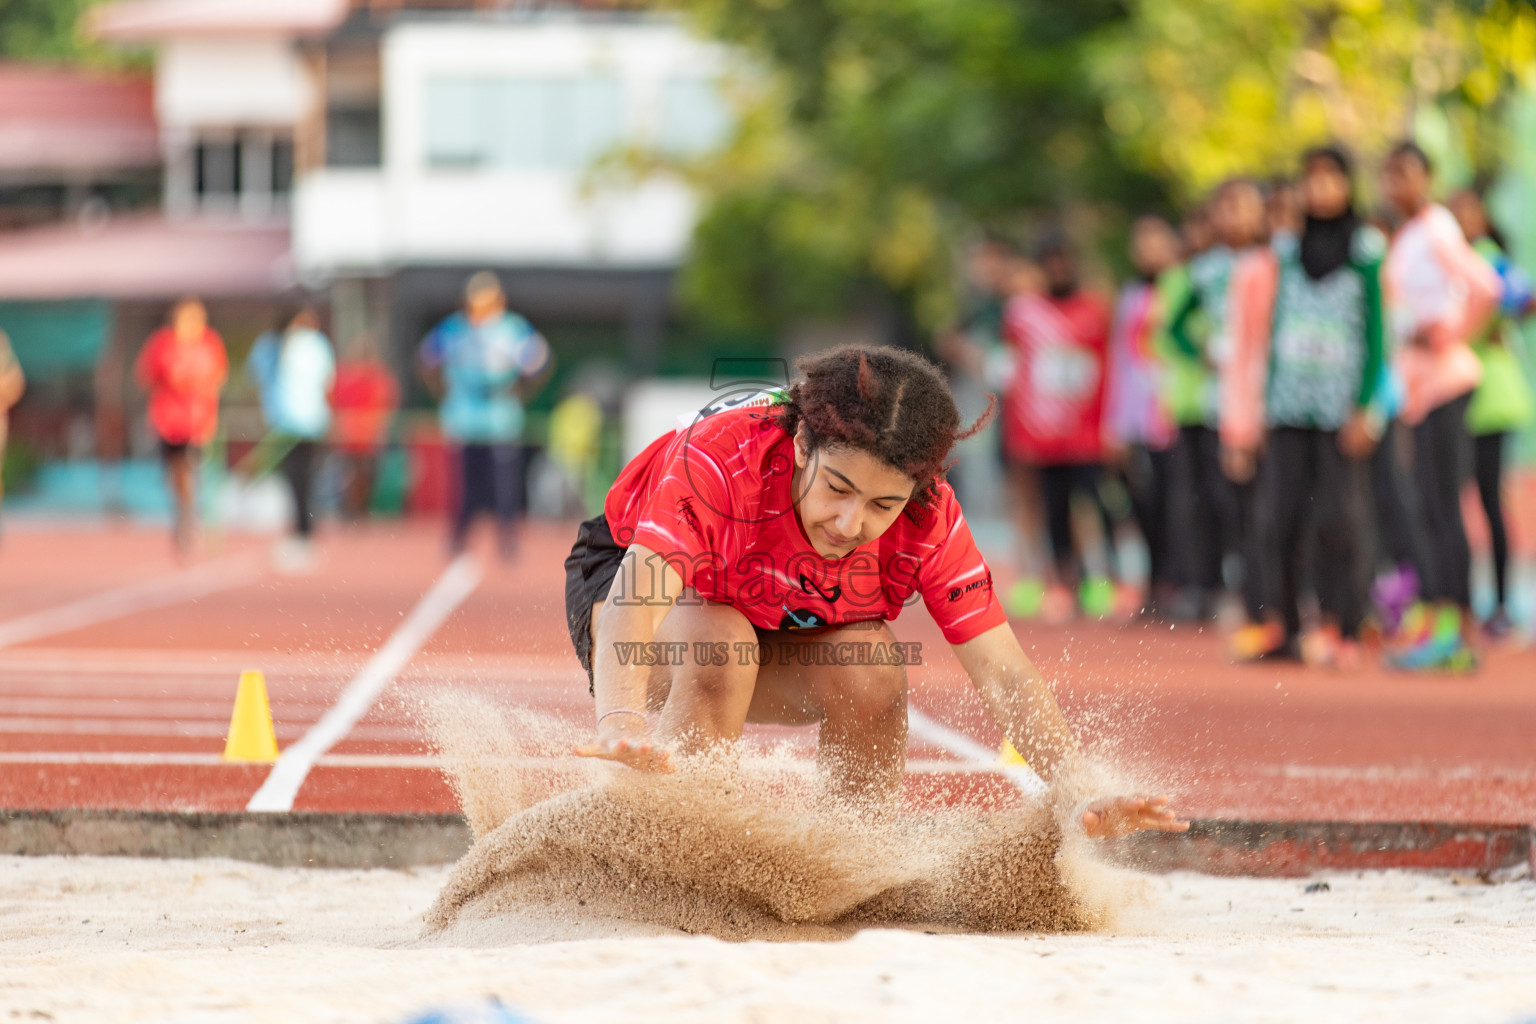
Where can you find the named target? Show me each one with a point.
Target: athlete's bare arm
(1027, 713)
(619, 687)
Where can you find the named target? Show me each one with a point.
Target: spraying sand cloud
(739, 851)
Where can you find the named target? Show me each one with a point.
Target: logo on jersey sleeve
(985, 583)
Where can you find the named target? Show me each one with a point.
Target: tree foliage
(49, 31)
(875, 133)
(878, 130)
(1197, 90)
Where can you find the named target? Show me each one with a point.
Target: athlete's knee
(698, 644)
(870, 693)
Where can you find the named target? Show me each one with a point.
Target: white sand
(97, 939)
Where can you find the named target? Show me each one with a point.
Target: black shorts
(175, 449)
(589, 572)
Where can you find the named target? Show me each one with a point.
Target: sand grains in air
(562, 848)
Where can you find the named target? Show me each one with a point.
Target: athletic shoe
(1023, 599)
(1189, 604)
(1058, 607)
(1326, 647)
(1130, 602)
(1320, 647)
(1096, 597)
(1415, 626)
(1257, 640)
(1440, 652)
(1498, 625)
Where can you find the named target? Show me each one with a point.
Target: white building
(490, 134)
(410, 147)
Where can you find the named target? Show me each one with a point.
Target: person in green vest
(1206, 498)
(1502, 403)
(1185, 383)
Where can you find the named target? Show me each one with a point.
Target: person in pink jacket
(1439, 294)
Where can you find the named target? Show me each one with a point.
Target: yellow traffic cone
(251, 738)
(1008, 757)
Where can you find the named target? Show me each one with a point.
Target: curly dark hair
(889, 402)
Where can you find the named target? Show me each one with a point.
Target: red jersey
(183, 380)
(363, 396)
(714, 500)
(1054, 407)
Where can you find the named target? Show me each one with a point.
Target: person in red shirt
(364, 396)
(183, 367)
(746, 566)
(1054, 409)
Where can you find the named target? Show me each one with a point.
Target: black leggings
(1488, 466)
(1441, 453)
(1306, 483)
(1400, 535)
(1057, 485)
(1146, 482)
(1203, 510)
(298, 468)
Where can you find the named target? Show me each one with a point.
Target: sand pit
(90, 939)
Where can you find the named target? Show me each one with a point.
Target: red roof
(149, 20)
(68, 119)
(145, 257)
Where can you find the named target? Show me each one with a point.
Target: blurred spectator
(485, 361)
(1502, 403)
(1284, 210)
(1138, 431)
(364, 399)
(13, 383)
(981, 365)
(1053, 414)
(1307, 357)
(575, 442)
(1204, 511)
(1440, 294)
(294, 372)
(183, 367)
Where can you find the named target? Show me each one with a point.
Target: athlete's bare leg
(861, 708)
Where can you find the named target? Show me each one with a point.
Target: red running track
(120, 698)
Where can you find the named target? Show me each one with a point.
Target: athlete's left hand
(1124, 814)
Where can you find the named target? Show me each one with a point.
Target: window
(522, 123)
(282, 166)
(246, 168)
(694, 117)
(217, 168)
(352, 136)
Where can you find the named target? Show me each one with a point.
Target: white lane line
(176, 758)
(971, 752)
(172, 588)
(456, 583)
(175, 708)
(206, 728)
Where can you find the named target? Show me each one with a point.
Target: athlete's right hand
(628, 746)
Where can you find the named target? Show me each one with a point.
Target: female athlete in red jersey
(746, 566)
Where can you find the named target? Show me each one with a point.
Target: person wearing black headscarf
(1322, 411)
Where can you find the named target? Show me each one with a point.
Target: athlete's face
(847, 497)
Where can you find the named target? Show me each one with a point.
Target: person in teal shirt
(485, 361)
(1503, 403)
